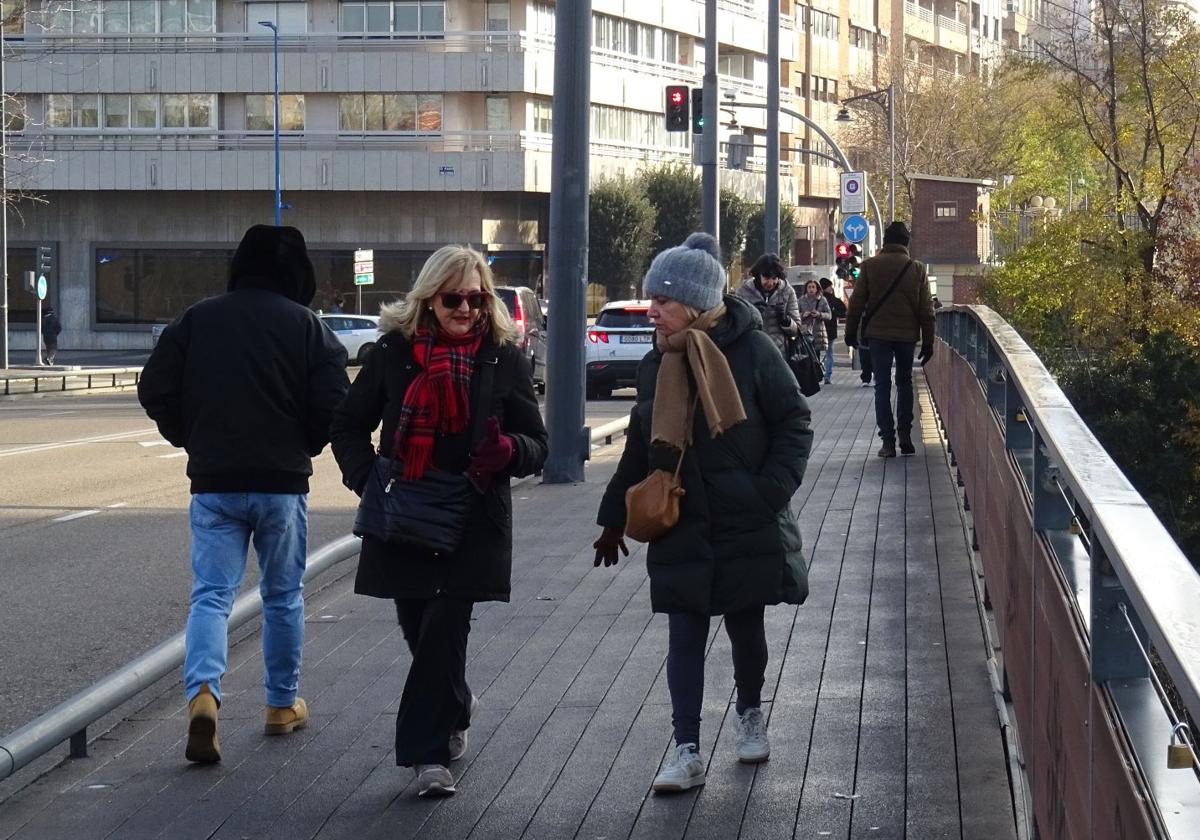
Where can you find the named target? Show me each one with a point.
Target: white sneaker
(458, 738)
(434, 780)
(683, 770)
(752, 744)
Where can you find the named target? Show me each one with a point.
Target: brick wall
(944, 238)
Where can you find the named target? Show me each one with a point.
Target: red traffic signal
(677, 108)
(843, 250)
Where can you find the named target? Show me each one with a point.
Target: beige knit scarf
(693, 350)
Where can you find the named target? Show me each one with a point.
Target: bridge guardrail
(82, 379)
(1085, 584)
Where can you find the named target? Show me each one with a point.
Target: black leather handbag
(805, 363)
(430, 512)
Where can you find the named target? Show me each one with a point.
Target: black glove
(851, 340)
(785, 320)
(611, 540)
(926, 354)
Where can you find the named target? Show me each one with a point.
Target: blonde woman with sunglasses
(453, 393)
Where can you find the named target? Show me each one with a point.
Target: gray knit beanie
(691, 273)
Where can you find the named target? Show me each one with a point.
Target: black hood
(740, 317)
(276, 259)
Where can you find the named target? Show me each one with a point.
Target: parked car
(358, 333)
(618, 340)
(156, 332)
(526, 310)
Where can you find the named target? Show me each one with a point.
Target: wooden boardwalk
(881, 715)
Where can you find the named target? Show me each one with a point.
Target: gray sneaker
(752, 744)
(458, 738)
(434, 780)
(683, 770)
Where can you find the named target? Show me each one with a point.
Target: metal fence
(1086, 587)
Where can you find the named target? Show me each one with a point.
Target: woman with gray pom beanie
(715, 399)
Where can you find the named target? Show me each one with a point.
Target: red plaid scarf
(438, 398)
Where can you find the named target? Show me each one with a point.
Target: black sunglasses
(453, 300)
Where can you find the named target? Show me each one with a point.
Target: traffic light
(677, 108)
(44, 260)
(697, 110)
(847, 260)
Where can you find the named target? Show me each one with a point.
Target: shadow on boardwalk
(881, 714)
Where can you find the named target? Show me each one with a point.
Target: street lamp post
(885, 99)
(275, 48)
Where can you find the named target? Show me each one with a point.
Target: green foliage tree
(754, 233)
(620, 230)
(674, 192)
(735, 217)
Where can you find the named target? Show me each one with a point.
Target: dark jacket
(51, 327)
(839, 311)
(907, 314)
(247, 383)
(481, 568)
(736, 544)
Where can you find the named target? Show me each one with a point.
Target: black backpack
(805, 363)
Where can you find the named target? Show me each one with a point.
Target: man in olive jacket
(892, 308)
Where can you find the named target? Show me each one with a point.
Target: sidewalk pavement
(881, 712)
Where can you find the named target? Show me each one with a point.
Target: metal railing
(69, 720)
(236, 140)
(1086, 586)
(39, 382)
(189, 42)
(955, 26)
(918, 11)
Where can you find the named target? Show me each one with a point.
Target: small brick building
(952, 232)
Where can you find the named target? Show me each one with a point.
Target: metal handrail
(510, 41)
(1089, 512)
(69, 720)
(953, 25)
(37, 377)
(239, 140)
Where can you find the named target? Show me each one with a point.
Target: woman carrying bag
(455, 397)
(718, 408)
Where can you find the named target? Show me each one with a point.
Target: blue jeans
(882, 354)
(222, 526)
(829, 362)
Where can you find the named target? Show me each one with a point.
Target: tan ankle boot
(284, 719)
(202, 744)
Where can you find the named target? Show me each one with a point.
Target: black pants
(436, 699)
(864, 363)
(685, 666)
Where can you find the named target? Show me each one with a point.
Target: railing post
(996, 376)
(1050, 509)
(79, 743)
(1115, 652)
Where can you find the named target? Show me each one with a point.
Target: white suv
(618, 340)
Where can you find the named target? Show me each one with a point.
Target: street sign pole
(364, 274)
(38, 362)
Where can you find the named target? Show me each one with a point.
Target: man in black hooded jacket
(247, 383)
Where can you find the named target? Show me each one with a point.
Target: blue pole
(275, 48)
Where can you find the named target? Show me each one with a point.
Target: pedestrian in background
(338, 307)
(427, 383)
(768, 291)
(831, 326)
(892, 309)
(247, 383)
(717, 402)
(814, 315)
(51, 327)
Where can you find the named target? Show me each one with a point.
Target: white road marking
(46, 447)
(118, 505)
(149, 443)
(77, 515)
(174, 455)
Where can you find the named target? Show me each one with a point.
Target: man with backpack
(892, 308)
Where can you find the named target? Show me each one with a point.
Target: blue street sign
(855, 227)
(41, 287)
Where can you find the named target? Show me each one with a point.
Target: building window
(150, 112)
(824, 25)
(146, 286)
(122, 17)
(12, 16)
(21, 305)
(945, 211)
(543, 116)
(72, 110)
(291, 18)
(637, 128)
(497, 16)
(632, 38)
(541, 19)
(395, 112)
(260, 112)
(14, 113)
(499, 117)
(407, 17)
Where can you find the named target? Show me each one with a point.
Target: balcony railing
(445, 141)
(955, 26)
(447, 42)
(919, 11)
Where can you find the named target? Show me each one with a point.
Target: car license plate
(636, 339)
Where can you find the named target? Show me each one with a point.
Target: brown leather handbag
(652, 505)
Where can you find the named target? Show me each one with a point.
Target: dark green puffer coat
(736, 544)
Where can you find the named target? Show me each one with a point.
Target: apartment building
(405, 124)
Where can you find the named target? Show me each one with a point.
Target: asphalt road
(94, 562)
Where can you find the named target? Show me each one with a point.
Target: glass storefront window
(21, 304)
(151, 285)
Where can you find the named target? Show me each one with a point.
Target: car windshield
(623, 319)
(509, 296)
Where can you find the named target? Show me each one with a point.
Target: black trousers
(685, 665)
(865, 364)
(436, 699)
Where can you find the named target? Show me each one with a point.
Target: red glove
(492, 455)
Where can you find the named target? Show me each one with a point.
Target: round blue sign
(41, 287)
(855, 227)
(851, 186)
